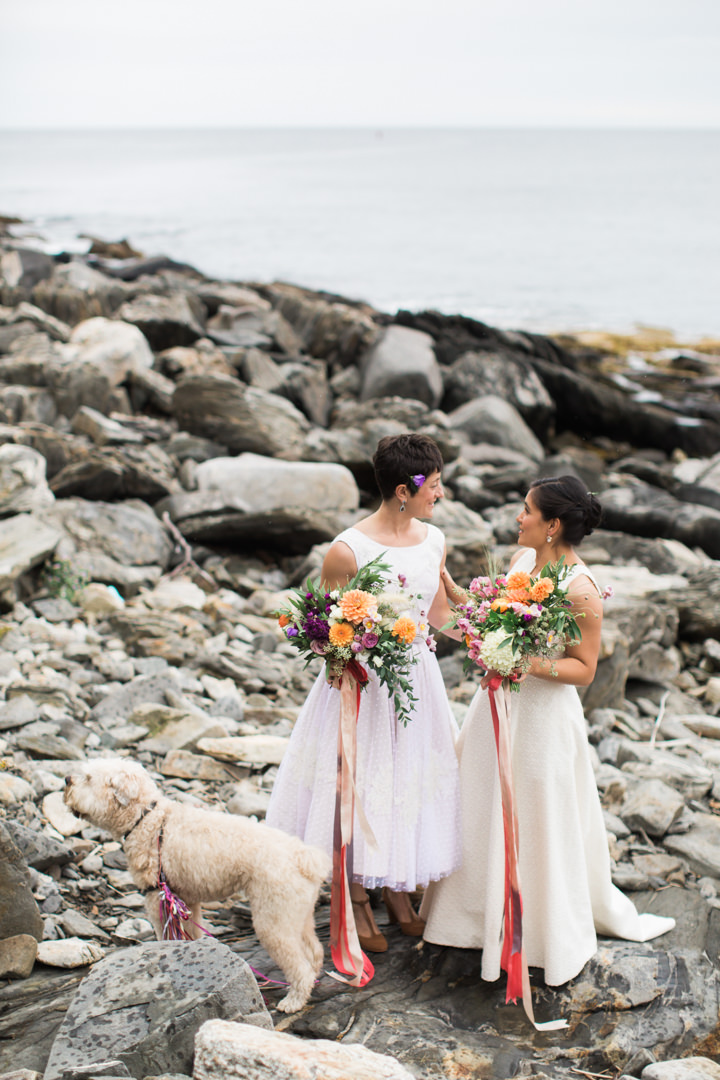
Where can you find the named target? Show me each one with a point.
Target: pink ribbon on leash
(512, 959)
(347, 956)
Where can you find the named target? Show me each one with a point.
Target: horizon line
(366, 127)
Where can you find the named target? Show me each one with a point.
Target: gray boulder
(127, 532)
(239, 417)
(176, 319)
(25, 541)
(475, 374)
(143, 1007)
(23, 486)
(494, 420)
(402, 362)
(19, 913)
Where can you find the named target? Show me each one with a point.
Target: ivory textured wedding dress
(407, 777)
(565, 878)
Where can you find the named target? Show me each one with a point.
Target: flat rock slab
(143, 1006)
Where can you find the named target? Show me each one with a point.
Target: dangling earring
(549, 538)
(402, 507)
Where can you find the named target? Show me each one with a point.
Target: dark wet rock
(144, 1005)
(588, 407)
(646, 511)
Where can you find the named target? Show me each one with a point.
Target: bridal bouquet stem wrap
(506, 621)
(365, 622)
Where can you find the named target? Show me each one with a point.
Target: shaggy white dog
(209, 855)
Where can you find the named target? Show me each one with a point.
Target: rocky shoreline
(176, 453)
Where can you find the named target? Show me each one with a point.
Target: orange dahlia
(283, 620)
(501, 603)
(355, 604)
(341, 633)
(520, 593)
(404, 630)
(518, 579)
(541, 589)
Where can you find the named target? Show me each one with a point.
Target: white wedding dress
(565, 876)
(407, 777)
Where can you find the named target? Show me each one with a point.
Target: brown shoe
(413, 927)
(374, 942)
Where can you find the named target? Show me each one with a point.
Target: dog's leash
(174, 912)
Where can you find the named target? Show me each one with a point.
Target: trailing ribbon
(512, 959)
(345, 949)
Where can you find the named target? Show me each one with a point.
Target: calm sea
(539, 229)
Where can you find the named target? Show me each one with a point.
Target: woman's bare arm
(577, 667)
(338, 567)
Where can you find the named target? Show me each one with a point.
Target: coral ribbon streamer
(347, 956)
(512, 959)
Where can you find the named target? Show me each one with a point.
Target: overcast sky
(189, 63)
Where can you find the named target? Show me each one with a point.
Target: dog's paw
(292, 1002)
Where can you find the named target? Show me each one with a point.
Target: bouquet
(508, 619)
(366, 621)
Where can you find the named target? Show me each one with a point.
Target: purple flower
(318, 647)
(315, 627)
(431, 643)
(418, 479)
(308, 596)
(357, 646)
(369, 640)
(290, 631)
(403, 580)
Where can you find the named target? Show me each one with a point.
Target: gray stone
(19, 912)
(23, 484)
(243, 419)
(38, 848)
(689, 1068)
(700, 847)
(144, 1006)
(17, 956)
(165, 321)
(17, 712)
(652, 806)
(25, 541)
(262, 483)
(226, 1050)
(402, 362)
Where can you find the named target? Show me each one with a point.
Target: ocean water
(537, 229)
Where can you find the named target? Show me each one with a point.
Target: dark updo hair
(567, 499)
(400, 457)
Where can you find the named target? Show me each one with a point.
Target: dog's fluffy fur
(209, 855)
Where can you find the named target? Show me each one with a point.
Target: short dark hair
(400, 457)
(566, 498)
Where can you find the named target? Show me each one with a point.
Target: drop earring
(549, 538)
(402, 507)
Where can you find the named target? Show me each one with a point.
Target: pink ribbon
(347, 956)
(512, 959)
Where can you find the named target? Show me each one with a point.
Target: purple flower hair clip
(418, 480)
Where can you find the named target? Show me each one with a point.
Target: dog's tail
(312, 862)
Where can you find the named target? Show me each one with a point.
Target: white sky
(190, 63)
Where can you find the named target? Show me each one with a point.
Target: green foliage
(62, 581)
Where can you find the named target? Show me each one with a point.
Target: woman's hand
(453, 591)
(518, 676)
